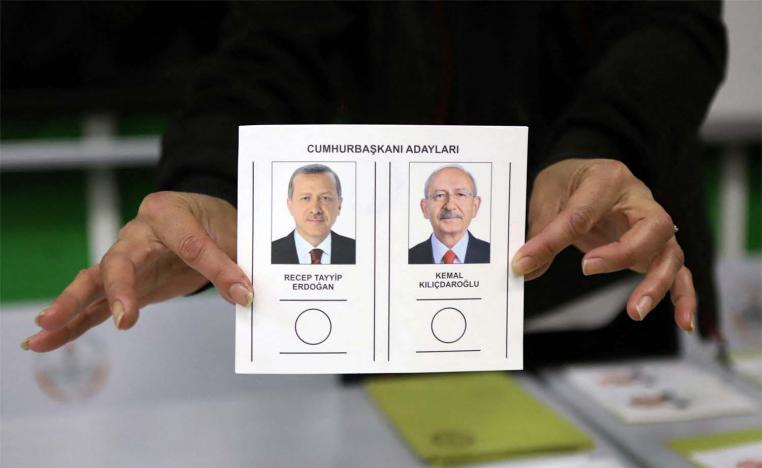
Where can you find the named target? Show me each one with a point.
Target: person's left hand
(601, 208)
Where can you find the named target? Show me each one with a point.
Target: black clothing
(626, 81)
(283, 250)
(477, 252)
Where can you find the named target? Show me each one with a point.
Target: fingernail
(643, 306)
(524, 265)
(693, 325)
(592, 266)
(117, 310)
(25, 344)
(39, 316)
(241, 294)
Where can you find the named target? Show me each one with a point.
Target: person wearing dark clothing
(613, 94)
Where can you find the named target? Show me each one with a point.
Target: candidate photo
(314, 202)
(449, 204)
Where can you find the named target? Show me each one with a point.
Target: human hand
(176, 243)
(601, 208)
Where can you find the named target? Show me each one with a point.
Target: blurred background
(87, 89)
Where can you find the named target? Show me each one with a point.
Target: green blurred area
(43, 233)
(712, 180)
(141, 125)
(57, 129)
(30, 130)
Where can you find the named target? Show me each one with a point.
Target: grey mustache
(450, 214)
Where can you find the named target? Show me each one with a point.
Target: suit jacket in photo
(477, 252)
(342, 250)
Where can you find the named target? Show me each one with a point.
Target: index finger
(86, 288)
(119, 285)
(585, 207)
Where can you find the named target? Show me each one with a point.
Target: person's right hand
(176, 243)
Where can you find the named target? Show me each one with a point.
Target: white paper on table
(658, 391)
(381, 314)
(747, 365)
(577, 460)
(729, 457)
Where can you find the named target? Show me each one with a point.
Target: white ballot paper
(743, 455)
(645, 392)
(360, 266)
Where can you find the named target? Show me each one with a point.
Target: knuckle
(154, 205)
(126, 229)
(546, 251)
(191, 248)
(111, 259)
(645, 191)
(108, 257)
(152, 249)
(581, 220)
(87, 276)
(663, 222)
(617, 171)
(84, 275)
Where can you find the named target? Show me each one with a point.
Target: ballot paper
(391, 274)
(734, 457)
(738, 449)
(659, 391)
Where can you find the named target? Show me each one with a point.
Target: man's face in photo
(450, 204)
(315, 205)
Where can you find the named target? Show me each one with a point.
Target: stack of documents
(659, 391)
(467, 418)
(732, 449)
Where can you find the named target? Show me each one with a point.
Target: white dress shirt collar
(438, 249)
(303, 249)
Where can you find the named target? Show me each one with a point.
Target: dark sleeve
(653, 68)
(275, 65)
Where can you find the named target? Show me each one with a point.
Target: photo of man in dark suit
(450, 203)
(314, 201)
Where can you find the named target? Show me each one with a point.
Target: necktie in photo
(448, 257)
(315, 255)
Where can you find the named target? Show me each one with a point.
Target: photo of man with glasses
(450, 203)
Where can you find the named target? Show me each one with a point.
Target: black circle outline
(296, 331)
(465, 327)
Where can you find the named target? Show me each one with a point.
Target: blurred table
(171, 398)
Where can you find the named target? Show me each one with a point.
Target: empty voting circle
(448, 325)
(313, 326)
